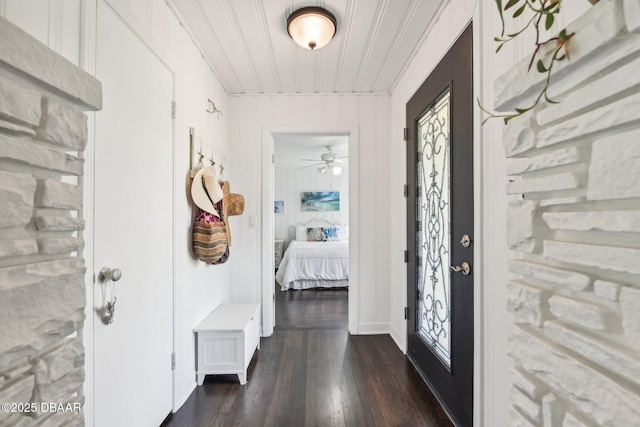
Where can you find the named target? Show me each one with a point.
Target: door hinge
(405, 134)
(174, 107)
(418, 295)
(273, 158)
(406, 313)
(406, 190)
(419, 192)
(173, 361)
(418, 226)
(406, 256)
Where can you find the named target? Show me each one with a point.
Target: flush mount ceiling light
(311, 27)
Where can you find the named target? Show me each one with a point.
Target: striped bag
(209, 241)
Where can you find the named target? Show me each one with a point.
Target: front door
(133, 229)
(440, 230)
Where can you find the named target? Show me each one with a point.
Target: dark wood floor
(311, 372)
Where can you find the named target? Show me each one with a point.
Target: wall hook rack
(213, 109)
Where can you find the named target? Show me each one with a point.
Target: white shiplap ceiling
(247, 45)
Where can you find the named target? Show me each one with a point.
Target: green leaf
(499, 47)
(563, 35)
(549, 21)
(519, 11)
(541, 67)
(511, 3)
(499, 4)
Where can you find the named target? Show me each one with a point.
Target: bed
(317, 258)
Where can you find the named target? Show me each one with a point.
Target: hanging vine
(546, 53)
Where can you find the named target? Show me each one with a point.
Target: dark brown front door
(440, 230)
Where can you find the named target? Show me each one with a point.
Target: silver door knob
(465, 268)
(107, 273)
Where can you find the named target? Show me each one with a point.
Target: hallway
(312, 372)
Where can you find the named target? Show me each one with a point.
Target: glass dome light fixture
(311, 27)
(337, 170)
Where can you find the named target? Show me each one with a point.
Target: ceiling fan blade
(311, 160)
(310, 166)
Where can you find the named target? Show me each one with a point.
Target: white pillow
(301, 233)
(343, 232)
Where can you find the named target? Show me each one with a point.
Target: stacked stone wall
(43, 133)
(574, 227)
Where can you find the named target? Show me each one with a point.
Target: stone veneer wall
(43, 133)
(574, 223)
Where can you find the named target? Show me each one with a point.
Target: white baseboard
(381, 328)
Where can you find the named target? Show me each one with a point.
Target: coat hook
(201, 157)
(212, 109)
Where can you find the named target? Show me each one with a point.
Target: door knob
(465, 268)
(108, 273)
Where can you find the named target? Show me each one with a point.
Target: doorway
(268, 236)
(440, 213)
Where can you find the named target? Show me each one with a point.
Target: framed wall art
(320, 201)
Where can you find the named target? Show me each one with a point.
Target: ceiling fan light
(337, 170)
(311, 27)
(322, 170)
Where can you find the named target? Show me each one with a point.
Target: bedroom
(308, 165)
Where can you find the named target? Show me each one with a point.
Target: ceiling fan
(328, 162)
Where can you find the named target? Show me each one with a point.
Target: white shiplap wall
(289, 183)
(370, 115)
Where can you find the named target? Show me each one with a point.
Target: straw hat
(232, 204)
(206, 191)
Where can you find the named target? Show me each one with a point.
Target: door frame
(267, 270)
(87, 61)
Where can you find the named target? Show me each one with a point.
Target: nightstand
(278, 246)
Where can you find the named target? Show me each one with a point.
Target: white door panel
(133, 229)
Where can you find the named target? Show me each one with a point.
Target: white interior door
(133, 229)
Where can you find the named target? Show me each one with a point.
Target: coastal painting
(320, 201)
(278, 206)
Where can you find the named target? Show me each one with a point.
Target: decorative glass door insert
(433, 204)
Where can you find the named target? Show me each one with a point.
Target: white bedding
(314, 264)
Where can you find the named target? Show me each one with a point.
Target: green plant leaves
(499, 4)
(548, 21)
(554, 48)
(511, 3)
(540, 66)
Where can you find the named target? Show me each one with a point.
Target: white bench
(227, 339)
